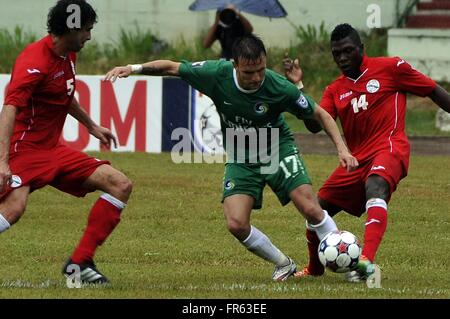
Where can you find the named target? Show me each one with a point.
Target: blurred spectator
(229, 26)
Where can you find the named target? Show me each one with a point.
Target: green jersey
(255, 114)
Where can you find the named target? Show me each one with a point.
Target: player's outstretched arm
(157, 68)
(441, 97)
(346, 159)
(7, 117)
(102, 133)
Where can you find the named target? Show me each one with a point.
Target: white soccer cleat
(282, 273)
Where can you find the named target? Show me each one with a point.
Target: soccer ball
(339, 251)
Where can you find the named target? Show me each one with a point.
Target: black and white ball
(339, 251)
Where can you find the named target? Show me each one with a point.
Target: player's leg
(12, 207)
(307, 204)
(291, 182)
(385, 173)
(237, 210)
(105, 214)
(79, 174)
(342, 191)
(242, 192)
(315, 267)
(378, 195)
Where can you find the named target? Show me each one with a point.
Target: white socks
(260, 245)
(4, 224)
(324, 227)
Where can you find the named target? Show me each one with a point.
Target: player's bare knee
(122, 187)
(13, 214)
(377, 187)
(126, 187)
(239, 229)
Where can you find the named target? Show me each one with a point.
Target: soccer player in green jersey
(250, 100)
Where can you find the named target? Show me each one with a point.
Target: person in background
(229, 26)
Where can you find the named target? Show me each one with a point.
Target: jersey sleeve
(300, 104)
(410, 80)
(200, 75)
(327, 102)
(25, 77)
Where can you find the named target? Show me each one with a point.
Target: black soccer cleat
(84, 273)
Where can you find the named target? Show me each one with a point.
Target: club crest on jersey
(15, 181)
(373, 86)
(228, 185)
(302, 102)
(261, 108)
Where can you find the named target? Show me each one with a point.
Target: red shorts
(347, 189)
(61, 167)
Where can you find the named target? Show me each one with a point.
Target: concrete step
(440, 5)
(429, 21)
(425, 49)
(432, 12)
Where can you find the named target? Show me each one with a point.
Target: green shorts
(247, 179)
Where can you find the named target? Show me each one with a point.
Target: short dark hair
(227, 16)
(58, 15)
(248, 47)
(345, 30)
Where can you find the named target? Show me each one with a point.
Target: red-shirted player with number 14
(39, 97)
(370, 101)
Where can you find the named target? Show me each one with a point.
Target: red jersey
(42, 87)
(372, 108)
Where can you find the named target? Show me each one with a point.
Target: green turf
(173, 243)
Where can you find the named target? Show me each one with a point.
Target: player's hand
(5, 176)
(292, 69)
(104, 135)
(348, 160)
(118, 72)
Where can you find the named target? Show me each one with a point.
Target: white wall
(426, 49)
(171, 18)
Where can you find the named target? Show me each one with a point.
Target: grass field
(172, 241)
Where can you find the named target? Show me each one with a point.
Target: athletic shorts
(248, 180)
(61, 167)
(347, 189)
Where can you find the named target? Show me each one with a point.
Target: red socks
(315, 267)
(103, 218)
(375, 226)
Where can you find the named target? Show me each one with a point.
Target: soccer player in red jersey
(39, 97)
(369, 98)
